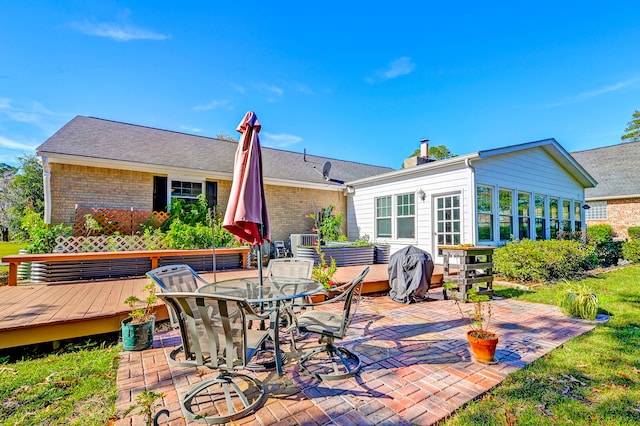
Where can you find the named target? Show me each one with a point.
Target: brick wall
(100, 187)
(97, 187)
(621, 214)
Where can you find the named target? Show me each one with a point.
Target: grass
(592, 379)
(7, 249)
(76, 386)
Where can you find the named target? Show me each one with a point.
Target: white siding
(529, 170)
(361, 205)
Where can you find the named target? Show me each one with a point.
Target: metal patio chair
(339, 362)
(215, 334)
(176, 278)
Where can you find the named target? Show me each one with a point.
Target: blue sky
(359, 81)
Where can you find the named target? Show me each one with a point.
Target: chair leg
(223, 399)
(341, 363)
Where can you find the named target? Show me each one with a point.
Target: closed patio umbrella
(246, 216)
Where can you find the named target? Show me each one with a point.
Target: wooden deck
(31, 314)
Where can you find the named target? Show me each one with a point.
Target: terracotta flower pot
(483, 345)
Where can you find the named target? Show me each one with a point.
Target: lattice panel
(116, 221)
(107, 243)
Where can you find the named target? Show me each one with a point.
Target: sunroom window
(524, 217)
(484, 200)
(506, 214)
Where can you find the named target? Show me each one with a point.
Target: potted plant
(481, 341)
(323, 272)
(137, 330)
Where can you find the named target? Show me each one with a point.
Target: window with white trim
(187, 191)
(597, 210)
(566, 215)
(541, 222)
(405, 215)
(577, 215)
(505, 204)
(554, 219)
(524, 215)
(383, 217)
(484, 202)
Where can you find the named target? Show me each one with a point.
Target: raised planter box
(50, 267)
(344, 256)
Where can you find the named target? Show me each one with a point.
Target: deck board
(46, 312)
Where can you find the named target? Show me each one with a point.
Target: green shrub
(183, 236)
(578, 300)
(600, 233)
(634, 232)
(42, 237)
(607, 251)
(631, 251)
(540, 261)
(190, 214)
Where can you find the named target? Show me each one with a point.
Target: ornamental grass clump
(578, 300)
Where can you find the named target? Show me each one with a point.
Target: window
(187, 191)
(484, 200)
(597, 211)
(448, 219)
(566, 216)
(506, 213)
(577, 215)
(383, 217)
(541, 224)
(524, 223)
(405, 209)
(554, 223)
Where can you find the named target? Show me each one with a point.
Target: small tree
(25, 191)
(632, 131)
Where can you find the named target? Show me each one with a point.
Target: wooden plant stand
(468, 270)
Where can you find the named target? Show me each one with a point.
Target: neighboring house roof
(615, 168)
(551, 146)
(96, 141)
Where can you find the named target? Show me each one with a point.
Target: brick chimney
(424, 149)
(419, 159)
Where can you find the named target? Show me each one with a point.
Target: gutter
(46, 177)
(467, 163)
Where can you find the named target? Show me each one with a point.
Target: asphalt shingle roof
(614, 167)
(96, 138)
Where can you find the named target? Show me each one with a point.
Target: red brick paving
(417, 367)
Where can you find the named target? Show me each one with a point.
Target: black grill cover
(410, 271)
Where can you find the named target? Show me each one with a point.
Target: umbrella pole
(212, 212)
(259, 246)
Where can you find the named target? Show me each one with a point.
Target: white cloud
(191, 129)
(399, 67)
(9, 144)
(238, 88)
(584, 96)
(272, 89)
(280, 140)
(213, 104)
(119, 31)
(303, 88)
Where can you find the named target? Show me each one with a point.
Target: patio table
(273, 293)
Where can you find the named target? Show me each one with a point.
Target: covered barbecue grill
(410, 271)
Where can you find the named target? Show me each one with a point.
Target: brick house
(93, 162)
(616, 198)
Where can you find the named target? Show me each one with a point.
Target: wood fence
(112, 221)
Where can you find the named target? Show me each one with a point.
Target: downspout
(467, 163)
(46, 177)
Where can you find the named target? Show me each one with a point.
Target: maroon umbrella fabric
(246, 216)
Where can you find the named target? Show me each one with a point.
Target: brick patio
(417, 367)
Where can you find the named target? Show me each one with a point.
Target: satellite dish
(325, 173)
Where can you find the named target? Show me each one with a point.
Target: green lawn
(9, 248)
(592, 379)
